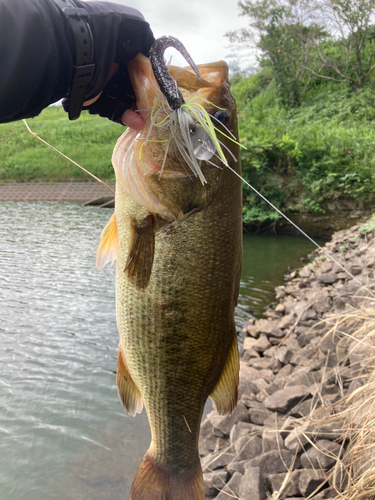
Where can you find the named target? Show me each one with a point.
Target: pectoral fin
(226, 391)
(128, 392)
(141, 254)
(107, 248)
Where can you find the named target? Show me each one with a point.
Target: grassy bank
(302, 159)
(307, 157)
(89, 141)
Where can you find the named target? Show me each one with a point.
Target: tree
(349, 57)
(303, 39)
(284, 34)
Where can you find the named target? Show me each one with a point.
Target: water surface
(63, 432)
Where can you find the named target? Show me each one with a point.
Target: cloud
(199, 24)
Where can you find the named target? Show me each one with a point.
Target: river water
(63, 432)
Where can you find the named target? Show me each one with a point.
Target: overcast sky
(199, 24)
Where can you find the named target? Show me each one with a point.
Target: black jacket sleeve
(37, 51)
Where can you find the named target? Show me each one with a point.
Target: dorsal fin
(107, 248)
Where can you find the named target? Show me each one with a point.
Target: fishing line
(243, 180)
(303, 233)
(66, 157)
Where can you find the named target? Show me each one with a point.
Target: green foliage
(369, 226)
(302, 158)
(89, 141)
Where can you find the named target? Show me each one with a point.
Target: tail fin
(155, 482)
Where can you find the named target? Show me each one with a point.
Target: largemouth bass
(178, 245)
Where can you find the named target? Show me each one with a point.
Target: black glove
(119, 35)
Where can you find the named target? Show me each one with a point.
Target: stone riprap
(54, 190)
(286, 435)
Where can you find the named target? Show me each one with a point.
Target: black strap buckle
(83, 70)
(76, 12)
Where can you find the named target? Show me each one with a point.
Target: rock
(323, 304)
(221, 444)
(232, 488)
(218, 460)
(310, 480)
(285, 371)
(258, 416)
(248, 343)
(261, 344)
(298, 437)
(305, 408)
(305, 272)
(250, 353)
(273, 462)
(222, 424)
(303, 357)
(236, 466)
(286, 322)
(355, 270)
(301, 377)
(291, 486)
(328, 494)
(280, 308)
(354, 385)
(261, 384)
(327, 278)
(271, 440)
(285, 399)
(252, 331)
(246, 443)
(330, 430)
(266, 364)
(269, 328)
(213, 481)
(282, 354)
(359, 350)
(326, 267)
(328, 343)
(276, 385)
(276, 421)
(247, 377)
(207, 440)
(321, 456)
(250, 488)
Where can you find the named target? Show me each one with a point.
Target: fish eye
(222, 116)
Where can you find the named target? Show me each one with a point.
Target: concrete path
(38, 190)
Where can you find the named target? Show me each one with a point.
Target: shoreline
(83, 191)
(314, 224)
(288, 437)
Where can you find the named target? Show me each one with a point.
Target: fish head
(152, 165)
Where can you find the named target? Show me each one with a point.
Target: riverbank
(82, 191)
(291, 435)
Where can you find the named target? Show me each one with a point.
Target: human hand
(129, 118)
(119, 34)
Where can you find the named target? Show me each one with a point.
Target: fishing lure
(194, 131)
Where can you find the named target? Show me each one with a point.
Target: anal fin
(141, 253)
(225, 393)
(128, 392)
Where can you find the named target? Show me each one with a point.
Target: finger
(132, 120)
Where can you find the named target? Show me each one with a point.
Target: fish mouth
(183, 129)
(147, 162)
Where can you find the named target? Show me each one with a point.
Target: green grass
(89, 141)
(302, 158)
